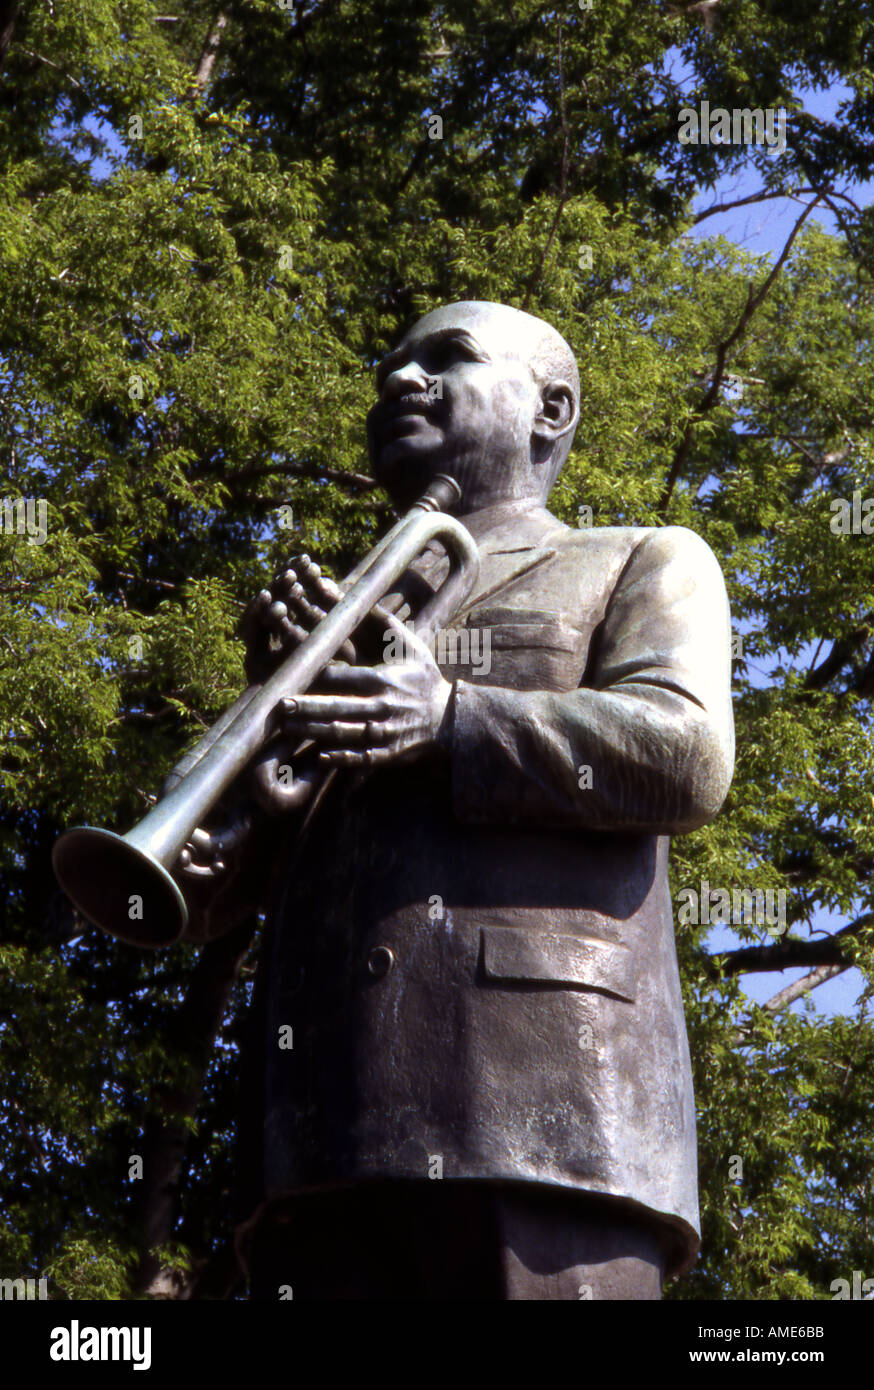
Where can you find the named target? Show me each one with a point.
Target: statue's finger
(330, 708)
(347, 757)
(328, 591)
(357, 678)
(284, 583)
(338, 735)
(306, 609)
(258, 606)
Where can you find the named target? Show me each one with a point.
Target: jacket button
(380, 961)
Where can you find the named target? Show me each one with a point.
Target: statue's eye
(446, 353)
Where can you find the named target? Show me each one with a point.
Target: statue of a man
(475, 1079)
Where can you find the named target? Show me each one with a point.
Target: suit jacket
(475, 952)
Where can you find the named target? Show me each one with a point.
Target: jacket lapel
(496, 577)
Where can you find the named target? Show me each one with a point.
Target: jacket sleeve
(647, 744)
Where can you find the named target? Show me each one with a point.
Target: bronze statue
(474, 1079)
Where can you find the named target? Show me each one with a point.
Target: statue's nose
(411, 378)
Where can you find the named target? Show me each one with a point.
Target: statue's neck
(482, 520)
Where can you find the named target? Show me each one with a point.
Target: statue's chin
(405, 472)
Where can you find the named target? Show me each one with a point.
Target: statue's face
(456, 396)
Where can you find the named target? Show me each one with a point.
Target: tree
(212, 224)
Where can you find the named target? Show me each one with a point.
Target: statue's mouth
(387, 417)
(391, 423)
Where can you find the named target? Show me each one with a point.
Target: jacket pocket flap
(524, 953)
(557, 636)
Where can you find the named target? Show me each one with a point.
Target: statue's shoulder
(655, 544)
(652, 560)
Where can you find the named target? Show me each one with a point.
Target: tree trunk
(8, 17)
(193, 1033)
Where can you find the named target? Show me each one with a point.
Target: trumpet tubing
(123, 883)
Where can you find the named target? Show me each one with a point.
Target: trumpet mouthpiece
(441, 495)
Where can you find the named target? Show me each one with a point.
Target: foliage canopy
(211, 225)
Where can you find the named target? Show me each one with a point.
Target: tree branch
(304, 470)
(787, 996)
(8, 17)
(842, 649)
(563, 186)
(192, 1035)
(209, 53)
(708, 401)
(144, 579)
(47, 62)
(764, 196)
(789, 953)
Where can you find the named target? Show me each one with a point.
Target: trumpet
(105, 873)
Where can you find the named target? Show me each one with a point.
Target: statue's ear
(557, 413)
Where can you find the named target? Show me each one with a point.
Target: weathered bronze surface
(474, 947)
(469, 985)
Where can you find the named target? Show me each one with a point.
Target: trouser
(453, 1240)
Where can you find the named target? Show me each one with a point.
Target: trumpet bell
(109, 879)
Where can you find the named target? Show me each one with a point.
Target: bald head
(511, 331)
(530, 340)
(483, 391)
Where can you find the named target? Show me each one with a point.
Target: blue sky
(762, 228)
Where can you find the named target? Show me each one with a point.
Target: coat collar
(513, 538)
(508, 527)
(518, 536)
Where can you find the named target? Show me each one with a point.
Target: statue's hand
(372, 714)
(283, 616)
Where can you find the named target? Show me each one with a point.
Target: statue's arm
(647, 744)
